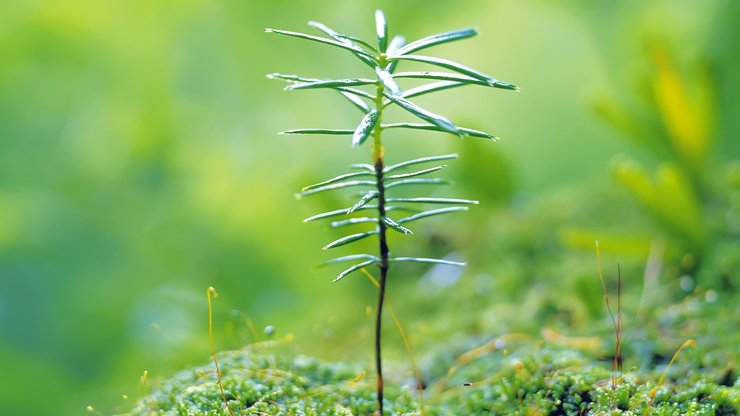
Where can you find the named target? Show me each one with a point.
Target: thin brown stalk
(406, 344)
(617, 325)
(211, 292)
(383, 264)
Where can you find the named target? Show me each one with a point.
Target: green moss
(256, 382)
(528, 380)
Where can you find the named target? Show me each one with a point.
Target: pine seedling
(378, 183)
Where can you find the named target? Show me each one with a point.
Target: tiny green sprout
(380, 184)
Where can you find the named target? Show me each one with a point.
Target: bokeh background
(139, 165)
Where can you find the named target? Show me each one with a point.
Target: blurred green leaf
(426, 260)
(290, 77)
(417, 173)
(432, 213)
(425, 181)
(396, 226)
(688, 119)
(343, 211)
(442, 76)
(426, 115)
(425, 200)
(353, 221)
(396, 43)
(363, 201)
(350, 239)
(335, 186)
(432, 127)
(352, 257)
(445, 63)
(669, 197)
(390, 84)
(381, 29)
(429, 88)
(365, 128)
(418, 161)
(437, 39)
(337, 179)
(331, 83)
(364, 166)
(336, 212)
(356, 101)
(341, 37)
(353, 269)
(351, 94)
(363, 55)
(359, 41)
(318, 131)
(462, 78)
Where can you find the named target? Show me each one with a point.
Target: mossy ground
(500, 378)
(555, 360)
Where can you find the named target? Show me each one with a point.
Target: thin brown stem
(383, 264)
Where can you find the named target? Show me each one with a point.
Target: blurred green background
(139, 165)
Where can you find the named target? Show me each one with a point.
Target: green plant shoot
(379, 184)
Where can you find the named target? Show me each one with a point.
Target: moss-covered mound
(256, 382)
(524, 380)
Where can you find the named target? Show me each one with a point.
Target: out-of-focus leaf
(345, 39)
(352, 257)
(364, 166)
(393, 225)
(445, 63)
(331, 83)
(290, 77)
(318, 131)
(437, 39)
(446, 76)
(390, 84)
(340, 37)
(336, 212)
(425, 181)
(419, 160)
(396, 43)
(441, 76)
(353, 221)
(356, 101)
(425, 115)
(351, 94)
(669, 197)
(353, 269)
(350, 239)
(417, 173)
(381, 29)
(343, 211)
(355, 91)
(359, 41)
(429, 88)
(431, 213)
(432, 127)
(630, 124)
(335, 186)
(363, 201)
(355, 50)
(337, 179)
(365, 128)
(434, 200)
(426, 260)
(688, 119)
